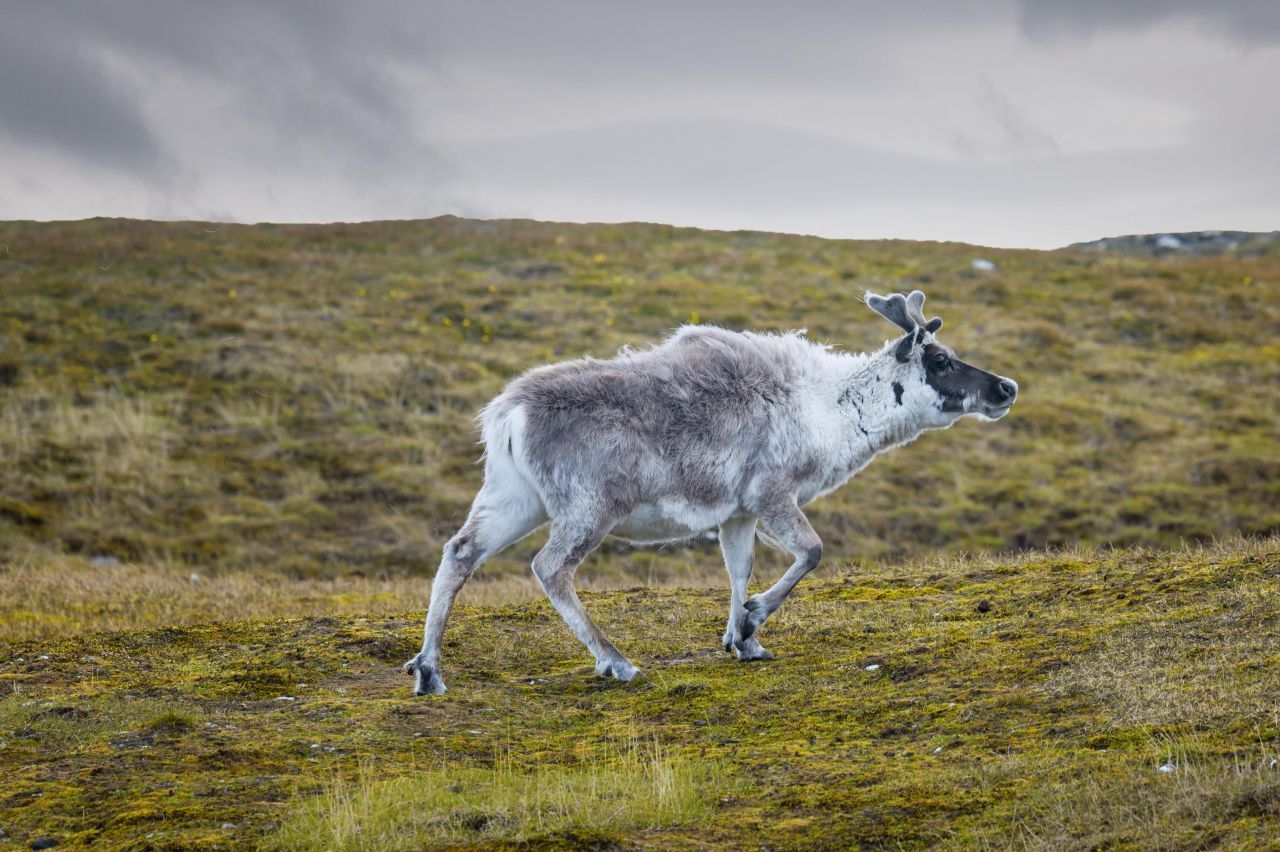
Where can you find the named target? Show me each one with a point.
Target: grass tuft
(640, 786)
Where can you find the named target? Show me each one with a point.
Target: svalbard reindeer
(711, 428)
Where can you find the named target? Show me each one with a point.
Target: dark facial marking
(851, 396)
(954, 380)
(897, 393)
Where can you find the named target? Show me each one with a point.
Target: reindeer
(709, 429)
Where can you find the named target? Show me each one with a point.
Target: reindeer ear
(894, 309)
(933, 325)
(906, 347)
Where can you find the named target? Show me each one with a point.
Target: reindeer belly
(669, 520)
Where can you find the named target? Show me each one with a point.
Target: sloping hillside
(299, 399)
(1059, 700)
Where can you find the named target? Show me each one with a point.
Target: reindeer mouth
(994, 412)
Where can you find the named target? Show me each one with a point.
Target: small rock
(43, 843)
(981, 264)
(938, 750)
(103, 561)
(984, 605)
(286, 698)
(1168, 767)
(195, 578)
(874, 667)
(228, 826)
(43, 657)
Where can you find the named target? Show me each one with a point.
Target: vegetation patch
(299, 400)
(1042, 718)
(639, 789)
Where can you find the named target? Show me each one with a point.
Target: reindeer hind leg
(555, 566)
(505, 511)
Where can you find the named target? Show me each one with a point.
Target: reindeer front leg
(738, 542)
(785, 522)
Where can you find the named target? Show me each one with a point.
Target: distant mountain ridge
(1244, 243)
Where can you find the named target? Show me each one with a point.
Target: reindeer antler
(903, 311)
(915, 306)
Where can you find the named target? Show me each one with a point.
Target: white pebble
(874, 667)
(1168, 767)
(286, 698)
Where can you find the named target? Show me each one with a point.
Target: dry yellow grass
(45, 595)
(636, 787)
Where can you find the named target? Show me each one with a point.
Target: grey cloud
(1019, 135)
(1245, 21)
(768, 167)
(702, 43)
(62, 99)
(318, 76)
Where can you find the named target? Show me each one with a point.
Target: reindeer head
(957, 388)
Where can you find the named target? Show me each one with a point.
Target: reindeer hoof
(750, 650)
(755, 614)
(426, 679)
(621, 670)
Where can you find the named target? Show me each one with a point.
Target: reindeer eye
(940, 362)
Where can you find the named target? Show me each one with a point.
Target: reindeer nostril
(1007, 389)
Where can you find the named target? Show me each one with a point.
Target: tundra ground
(231, 454)
(1056, 699)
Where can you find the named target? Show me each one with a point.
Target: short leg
(554, 566)
(737, 542)
(498, 518)
(788, 525)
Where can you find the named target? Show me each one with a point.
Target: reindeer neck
(874, 402)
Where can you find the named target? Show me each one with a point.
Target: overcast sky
(1031, 123)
